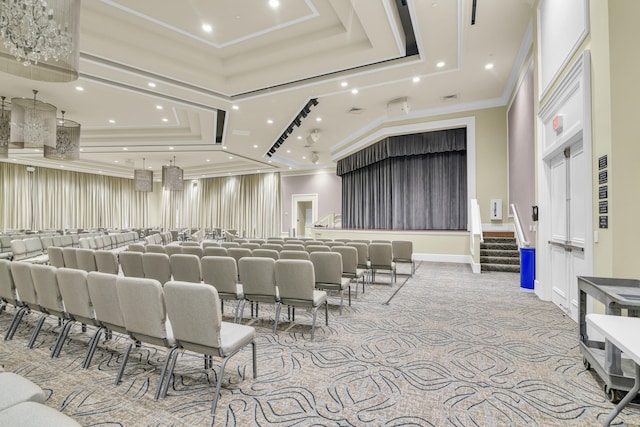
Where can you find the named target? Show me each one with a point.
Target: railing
(521, 239)
(476, 234)
(331, 219)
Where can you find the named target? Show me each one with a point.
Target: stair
(499, 253)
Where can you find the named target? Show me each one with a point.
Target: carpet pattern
(443, 348)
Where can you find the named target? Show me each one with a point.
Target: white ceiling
(268, 63)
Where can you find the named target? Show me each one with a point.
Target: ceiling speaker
(313, 136)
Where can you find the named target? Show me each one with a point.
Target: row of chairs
(115, 242)
(105, 261)
(160, 238)
(180, 316)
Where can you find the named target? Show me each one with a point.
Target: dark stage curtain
(407, 182)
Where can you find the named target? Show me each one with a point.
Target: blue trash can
(527, 267)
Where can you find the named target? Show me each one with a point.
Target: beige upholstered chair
(106, 261)
(55, 256)
(69, 255)
(173, 250)
(313, 243)
(137, 247)
(294, 254)
(156, 266)
(49, 298)
(196, 319)
(210, 243)
(318, 248)
(271, 246)
(275, 240)
(381, 258)
(259, 283)
(8, 295)
(239, 253)
(193, 250)
(34, 414)
(21, 273)
(293, 247)
(215, 251)
(268, 253)
(186, 268)
(131, 263)
(230, 245)
(145, 317)
(185, 244)
(15, 389)
(296, 285)
(344, 240)
(403, 253)
(221, 272)
(77, 304)
(327, 267)
(86, 259)
(155, 248)
(363, 258)
(350, 264)
(250, 245)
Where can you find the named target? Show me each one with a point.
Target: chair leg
(93, 344)
(17, 317)
(341, 301)
(62, 336)
(167, 359)
(163, 394)
(275, 325)
(241, 316)
(124, 363)
(326, 312)
(255, 366)
(313, 324)
(350, 293)
(218, 385)
(36, 331)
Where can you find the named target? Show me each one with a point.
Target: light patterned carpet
(444, 348)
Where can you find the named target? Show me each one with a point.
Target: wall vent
(356, 110)
(449, 98)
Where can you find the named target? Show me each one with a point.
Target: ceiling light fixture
(269, 121)
(297, 121)
(354, 91)
(489, 66)
(33, 123)
(159, 107)
(314, 157)
(151, 84)
(42, 37)
(67, 145)
(344, 84)
(235, 107)
(164, 119)
(112, 121)
(172, 177)
(440, 64)
(143, 179)
(5, 130)
(207, 28)
(79, 88)
(274, 4)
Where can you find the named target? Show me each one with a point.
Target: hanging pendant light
(143, 179)
(67, 144)
(33, 123)
(172, 177)
(5, 129)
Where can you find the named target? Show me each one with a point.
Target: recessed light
(207, 28)
(235, 107)
(255, 146)
(61, 166)
(488, 66)
(258, 171)
(304, 157)
(37, 150)
(440, 64)
(149, 167)
(299, 137)
(159, 107)
(270, 161)
(230, 157)
(354, 91)
(99, 171)
(208, 160)
(151, 84)
(416, 79)
(318, 119)
(274, 4)
(79, 88)
(82, 149)
(269, 121)
(224, 147)
(14, 160)
(164, 119)
(290, 168)
(116, 161)
(344, 84)
(125, 148)
(170, 148)
(112, 121)
(288, 151)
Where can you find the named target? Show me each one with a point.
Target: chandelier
(5, 130)
(172, 177)
(42, 36)
(33, 123)
(67, 146)
(143, 179)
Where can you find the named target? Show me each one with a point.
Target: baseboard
(498, 227)
(456, 259)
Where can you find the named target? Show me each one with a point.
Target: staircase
(499, 252)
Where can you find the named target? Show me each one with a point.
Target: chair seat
(34, 414)
(344, 283)
(234, 336)
(40, 259)
(15, 389)
(319, 297)
(384, 267)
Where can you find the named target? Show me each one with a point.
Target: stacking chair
(268, 253)
(106, 261)
(21, 272)
(78, 306)
(293, 247)
(131, 263)
(154, 248)
(8, 295)
(173, 250)
(318, 248)
(15, 389)
(221, 272)
(350, 264)
(327, 267)
(86, 260)
(403, 253)
(56, 258)
(193, 250)
(184, 244)
(259, 283)
(275, 241)
(313, 242)
(258, 241)
(104, 297)
(363, 258)
(31, 414)
(272, 246)
(196, 319)
(381, 258)
(215, 251)
(145, 318)
(366, 241)
(344, 240)
(294, 241)
(239, 253)
(288, 254)
(49, 298)
(380, 241)
(250, 245)
(137, 247)
(230, 245)
(210, 243)
(296, 286)
(186, 268)
(69, 255)
(156, 266)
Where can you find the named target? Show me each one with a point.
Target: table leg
(628, 398)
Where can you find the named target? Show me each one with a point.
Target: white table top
(623, 332)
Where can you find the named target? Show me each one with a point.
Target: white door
(304, 212)
(569, 187)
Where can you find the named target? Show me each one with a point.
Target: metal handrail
(520, 237)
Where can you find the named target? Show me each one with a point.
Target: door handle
(567, 246)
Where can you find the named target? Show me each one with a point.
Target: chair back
(55, 256)
(287, 254)
(230, 245)
(402, 250)
(186, 268)
(271, 246)
(295, 279)
(143, 310)
(209, 243)
(258, 279)
(363, 253)
(155, 248)
(173, 250)
(239, 253)
(86, 260)
(268, 253)
(380, 255)
(293, 247)
(69, 255)
(327, 267)
(349, 258)
(106, 261)
(318, 248)
(215, 251)
(184, 244)
(193, 250)
(156, 266)
(75, 294)
(137, 247)
(104, 298)
(47, 289)
(131, 263)
(7, 286)
(250, 245)
(191, 331)
(221, 272)
(21, 272)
